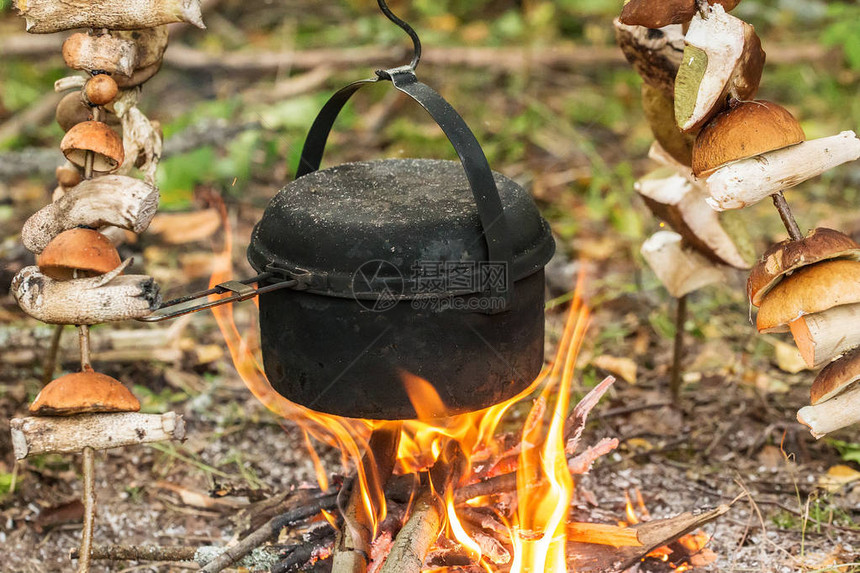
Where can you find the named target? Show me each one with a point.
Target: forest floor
(572, 134)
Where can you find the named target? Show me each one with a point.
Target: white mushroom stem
(680, 270)
(822, 336)
(832, 415)
(105, 298)
(64, 435)
(748, 181)
(49, 16)
(114, 200)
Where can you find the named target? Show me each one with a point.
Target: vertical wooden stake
(85, 555)
(678, 354)
(787, 218)
(50, 362)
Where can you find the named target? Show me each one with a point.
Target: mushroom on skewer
(660, 13)
(835, 397)
(83, 393)
(722, 59)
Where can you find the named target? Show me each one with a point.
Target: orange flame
(544, 483)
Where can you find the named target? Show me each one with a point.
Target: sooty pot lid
(402, 219)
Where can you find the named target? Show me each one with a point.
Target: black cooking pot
(403, 268)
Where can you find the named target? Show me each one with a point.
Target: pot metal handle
(242, 290)
(490, 210)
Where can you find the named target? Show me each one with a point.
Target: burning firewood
(114, 200)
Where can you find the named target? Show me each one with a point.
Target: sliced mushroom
(747, 182)
(745, 130)
(722, 57)
(681, 204)
(114, 200)
(78, 253)
(97, 137)
(150, 44)
(83, 393)
(659, 13)
(787, 256)
(811, 289)
(100, 53)
(834, 414)
(660, 113)
(105, 298)
(835, 378)
(680, 270)
(822, 336)
(654, 54)
(49, 16)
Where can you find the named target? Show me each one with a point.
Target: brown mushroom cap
(836, 377)
(748, 129)
(659, 13)
(97, 137)
(82, 393)
(100, 90)
(83, 250)
(786, 256)
(811, 289)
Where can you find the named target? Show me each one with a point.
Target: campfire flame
(539, 529)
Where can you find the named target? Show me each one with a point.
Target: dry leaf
(788, 357)
(837, 477)
(181, 228)
(622, 367)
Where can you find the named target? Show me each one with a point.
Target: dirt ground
(732, 432)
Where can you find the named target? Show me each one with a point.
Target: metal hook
(416, 41)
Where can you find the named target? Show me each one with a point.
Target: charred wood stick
(268, 531)
(422, 528)
(416, 537)
(294, 556)
(63, 435)
(115, 200)
(105, 298)
(351, 549)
